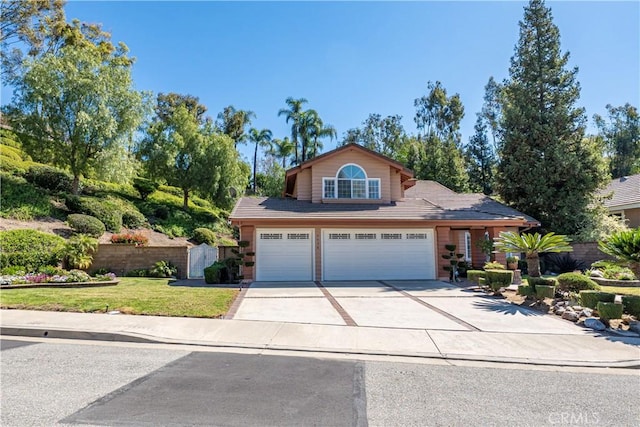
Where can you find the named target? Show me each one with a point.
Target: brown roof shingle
(626, 191)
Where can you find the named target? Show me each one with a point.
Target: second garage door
(378, 254)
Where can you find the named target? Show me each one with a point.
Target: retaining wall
(122, 258)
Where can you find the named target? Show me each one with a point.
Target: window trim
(366, 181)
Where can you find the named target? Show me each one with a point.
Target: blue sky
(350, 59)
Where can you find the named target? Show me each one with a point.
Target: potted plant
(512, 262)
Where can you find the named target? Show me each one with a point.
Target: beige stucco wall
(329, 168)
(633, 217)
(302, 190)
(395, 185)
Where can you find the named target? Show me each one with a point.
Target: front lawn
(621, 290)
(131, 296)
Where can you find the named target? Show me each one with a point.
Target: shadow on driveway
(499, 306)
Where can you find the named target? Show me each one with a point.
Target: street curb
(134, 338)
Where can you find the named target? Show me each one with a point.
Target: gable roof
(290, 174)
(626, 192)
(428, 200)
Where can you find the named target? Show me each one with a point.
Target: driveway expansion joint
(336, 305)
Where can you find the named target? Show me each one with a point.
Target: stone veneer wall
(123, 258)
(587, 252)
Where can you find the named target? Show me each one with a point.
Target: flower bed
(62, 279)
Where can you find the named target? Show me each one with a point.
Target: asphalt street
(62, 382)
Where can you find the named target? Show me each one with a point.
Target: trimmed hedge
(132, 218)
(609, 310)
(576, 282)
(631, 304)
(50, 178)
(591, 298)
(474, 275)
(215, 273)
(204, 235)
(534, 281)
(104, 210)
(497, 279)
(86, 224)
(526, 290)
(545, 291)
(31, 249)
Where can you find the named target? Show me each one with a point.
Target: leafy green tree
(532, 245)
(480, 159)
(546, 169)
(166, 104)
(234, 123)
(384, 135)
(261, 138)
(270, 178)
(624, 246)
(622, 138)
(191, 156)
(78, 100)
(438, 119)
(294, 115)
(116, 164)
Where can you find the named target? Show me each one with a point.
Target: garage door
(378, 254)
(284, 254)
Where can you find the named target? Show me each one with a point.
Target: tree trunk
(185, 198)
(533, 265)
(255, 160)
(75, 185)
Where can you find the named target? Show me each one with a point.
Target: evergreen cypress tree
(480, 159)
(547, 168)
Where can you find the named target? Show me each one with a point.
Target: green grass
(620, 290)
(23, 201)
(132, 296)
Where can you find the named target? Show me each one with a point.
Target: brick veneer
(122, 258)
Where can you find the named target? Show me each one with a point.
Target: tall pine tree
(547, 168)
(480, 159)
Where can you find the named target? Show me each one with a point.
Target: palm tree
(624, 246)
(318, 131)
(261, 138)
(532, 245)
(281, 149)
(233, 122)
(306, 124)
(293, 114)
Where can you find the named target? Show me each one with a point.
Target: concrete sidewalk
(544, 349)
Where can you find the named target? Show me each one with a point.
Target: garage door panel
(284, 254)
(392, 254)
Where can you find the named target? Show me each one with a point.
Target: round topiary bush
(104, 210)
(132, 218)
(204, 235)
(50, 178)
(575, 282)
(31, 249)
(86, 224)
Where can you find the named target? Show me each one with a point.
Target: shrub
(162, 212)
(526, 290)
(631, 304)
(105, 210)
(50, 178)
(615, 272)
(493, 265)
(474, 275)
(216, 273)
(539, 281)
(575, 282)
(22, 200)
(13, 270)
(563, 263)
(497, 279)
(138, 272)
(204, 235)
(144, 187)
(609, 310)
(163, 269)
(482, 282)
(591, 298)
(86, 224)
(545, 291)
(31, 249)
(78, 276)
(130, 238)
(132, 218)
(79, 251)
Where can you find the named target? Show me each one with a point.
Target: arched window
(351, 182)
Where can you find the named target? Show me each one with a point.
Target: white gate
(201, 257)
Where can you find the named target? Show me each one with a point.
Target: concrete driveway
(421, 304)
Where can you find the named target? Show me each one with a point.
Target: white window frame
(467, 246)
(335, 180)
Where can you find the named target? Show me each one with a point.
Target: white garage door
(378, 254)
(284, 254)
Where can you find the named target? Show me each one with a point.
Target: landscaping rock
(560, 311)
(593, 323)
(570, 315)
(596, 273)
(586, 312)
(577, 308)
(569, 308)
(560, 303)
